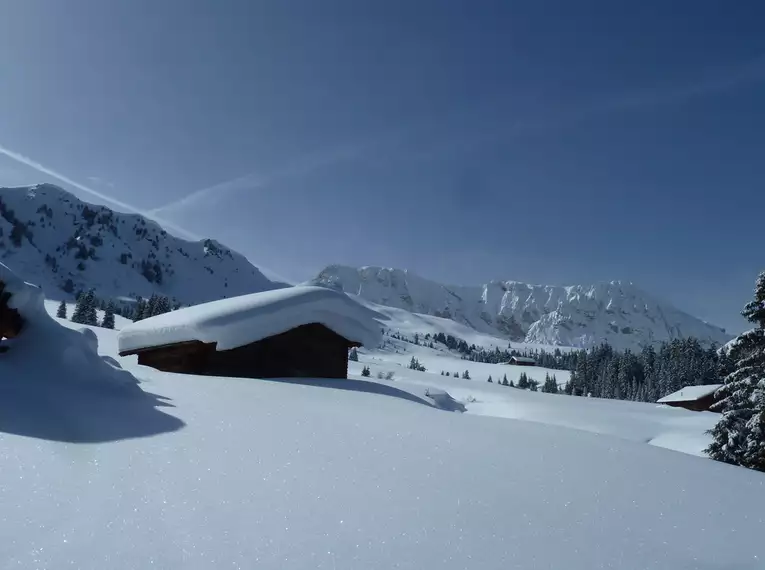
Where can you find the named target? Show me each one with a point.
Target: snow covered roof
(690, 393)
(238, 321)
(523, 359)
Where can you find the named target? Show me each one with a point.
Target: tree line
(86, 305)
(647, 375)
(556, 360)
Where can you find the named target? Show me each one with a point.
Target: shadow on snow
(440, 400)
(81, 414)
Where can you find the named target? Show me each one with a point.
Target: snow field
(202, 472)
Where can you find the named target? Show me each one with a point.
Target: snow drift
(238, 321)
(46, 351)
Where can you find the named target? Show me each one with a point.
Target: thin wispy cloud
(720, 80)
(217, 190)
(31, 163)
(714, 81)
(100, 181)
(294, 169)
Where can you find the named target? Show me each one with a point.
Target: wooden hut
(306, 351)
(295, 332)
(522, 361)
(694, 398)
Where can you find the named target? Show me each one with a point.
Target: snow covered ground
(239, 473)
(658, 425)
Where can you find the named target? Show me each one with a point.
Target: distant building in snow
(522, 361)
(292, 332)
(694, 398)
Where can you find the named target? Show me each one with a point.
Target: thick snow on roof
(523, 359)
(242, 320)
(690, 393)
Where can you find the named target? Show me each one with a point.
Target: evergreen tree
(353, 355)
(466, 375)
(140, 310)
(550, 386)
(108, 320)
(512, 384)
(365, 372)
(523, 381)
(151, 306)
(442, 373)
(739, 436)
(533, 385)
(61, 311)
(161, 305)
(85, 310)
(489, 380)
(456, 374)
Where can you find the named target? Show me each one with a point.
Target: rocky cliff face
(63, 244)
(577, 315)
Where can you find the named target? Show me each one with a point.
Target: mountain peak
(575, 315)
(64, 244)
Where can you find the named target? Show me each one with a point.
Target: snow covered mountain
(63, 244)
(578, 315)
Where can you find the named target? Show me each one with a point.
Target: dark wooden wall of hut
(306, 351)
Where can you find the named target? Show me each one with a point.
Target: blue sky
(546, 141)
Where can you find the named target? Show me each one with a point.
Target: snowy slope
(289, 475)
(406, 323)
(578, 315)
(52, 238)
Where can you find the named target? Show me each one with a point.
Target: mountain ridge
(618, 311)
(64, 244)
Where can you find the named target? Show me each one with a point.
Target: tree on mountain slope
(85, 310)
(61, 311)
(108, 320)
(739, 436)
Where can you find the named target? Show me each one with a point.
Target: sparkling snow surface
(243, 473)
(241, 320)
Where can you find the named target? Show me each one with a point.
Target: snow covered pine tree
(61, 311)
(739, 436)
(550, 386)
(108, 320)
(85, 310)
